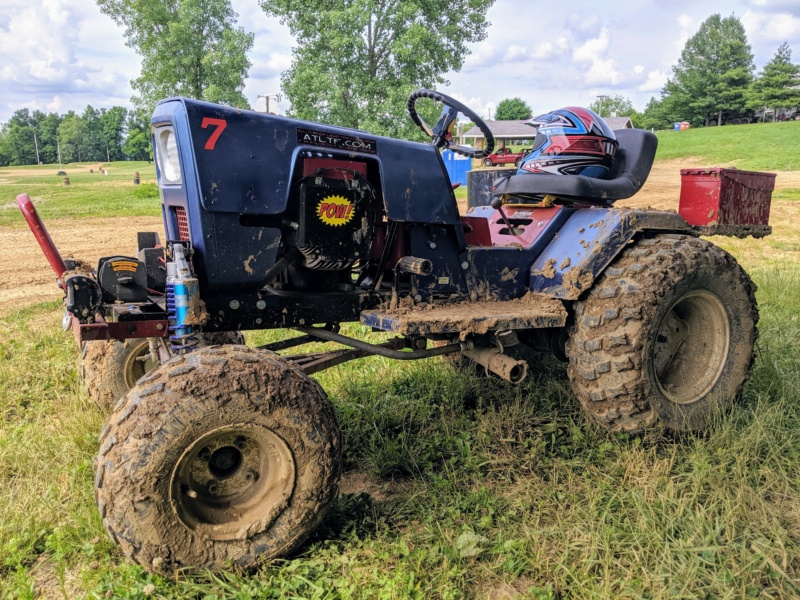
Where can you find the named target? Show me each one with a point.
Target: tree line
(715, 75)
(95, 135)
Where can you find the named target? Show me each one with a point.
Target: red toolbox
(727, 201)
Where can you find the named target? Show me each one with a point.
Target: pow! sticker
(335, 210)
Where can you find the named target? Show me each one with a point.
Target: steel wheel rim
(233, 481)
(691, 347)
(136, 368)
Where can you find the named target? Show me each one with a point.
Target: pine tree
(778, 85)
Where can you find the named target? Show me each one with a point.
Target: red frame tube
(41, 235)
(103, 330)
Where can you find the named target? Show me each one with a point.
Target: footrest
(532, 311)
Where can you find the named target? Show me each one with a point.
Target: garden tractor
(218, 454)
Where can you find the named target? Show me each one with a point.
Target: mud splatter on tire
(667, 334)
(109, 368)
(158, 447)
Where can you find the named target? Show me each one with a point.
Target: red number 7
(220, 125)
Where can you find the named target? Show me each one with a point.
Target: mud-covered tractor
(216, 453)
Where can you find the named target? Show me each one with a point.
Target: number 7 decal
(220, 125)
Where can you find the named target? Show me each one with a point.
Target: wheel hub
(232, 480)
(691, 347)
(138, 364)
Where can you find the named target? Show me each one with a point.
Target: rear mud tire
(225, 456)
(666, 334)
(109, 368)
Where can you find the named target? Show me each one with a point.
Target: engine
(334, 213)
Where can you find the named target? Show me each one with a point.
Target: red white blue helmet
(571, 141)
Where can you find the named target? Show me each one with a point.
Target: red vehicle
(504, 156)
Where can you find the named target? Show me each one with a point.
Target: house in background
(518, 133)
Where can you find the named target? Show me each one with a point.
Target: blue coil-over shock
(183, 292)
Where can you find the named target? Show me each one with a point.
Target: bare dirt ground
(25, 276)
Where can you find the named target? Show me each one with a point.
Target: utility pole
(266, 97)
(35, 143)
(58, 145)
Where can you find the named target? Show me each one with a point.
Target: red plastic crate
(727, 201)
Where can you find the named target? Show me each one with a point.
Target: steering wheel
(442, 133)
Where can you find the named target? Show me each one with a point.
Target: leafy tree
(93, 145)
(654, 116)
(112, 125)
(513, 109)
(19, 146)
(188, 48)
(713, 73)
(778, 86)
(137, 141)
(70, 132)
(356, 61)
(48, 138)
(613, 106)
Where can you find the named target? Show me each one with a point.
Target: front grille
(183, 223)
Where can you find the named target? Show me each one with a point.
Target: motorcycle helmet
(571, 141)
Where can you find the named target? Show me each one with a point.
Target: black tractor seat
(629, 171)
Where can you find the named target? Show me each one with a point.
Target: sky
(60, 55)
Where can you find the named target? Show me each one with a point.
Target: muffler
(502, 365)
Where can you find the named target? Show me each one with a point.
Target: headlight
(167, 156)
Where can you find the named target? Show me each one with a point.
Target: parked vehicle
(505, 156)
(222, 455)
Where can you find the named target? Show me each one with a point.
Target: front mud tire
(666, 334)
(109, 368)
(225, 456)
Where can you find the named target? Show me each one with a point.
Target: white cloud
(62, 54)
(515, 53)
(543, 50)
(592, 48)
(655, 81)
(483, 54)
(771, 27)
(602, 70)
(638, 70)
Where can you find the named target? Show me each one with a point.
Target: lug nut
(240, 443)
(212, 487)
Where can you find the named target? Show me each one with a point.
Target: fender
(588, 242)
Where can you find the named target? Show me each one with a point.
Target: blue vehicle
(221, 454)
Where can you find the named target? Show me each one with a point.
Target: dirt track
(25, 276)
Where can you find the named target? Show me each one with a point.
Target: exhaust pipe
(502, 365)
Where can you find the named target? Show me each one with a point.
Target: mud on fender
(588, 242)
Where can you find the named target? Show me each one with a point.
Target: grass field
(89, 194)
(455, 486)
(756, 146)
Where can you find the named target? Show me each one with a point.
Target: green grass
(479, 489)
(487, 490)
(87, 195)
(757, 146)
